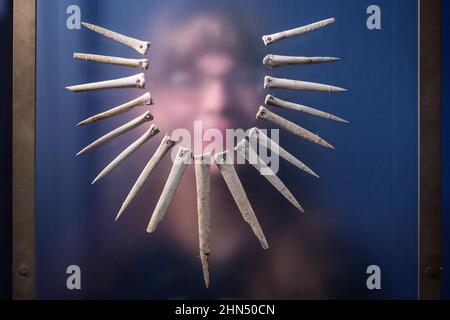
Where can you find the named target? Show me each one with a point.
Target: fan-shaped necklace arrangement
(202, 163)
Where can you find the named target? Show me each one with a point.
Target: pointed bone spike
(278, 83)
(150, 133)
(237, 191)
(268, 39)
(274, 147)
(180, 163)
(244, 149)
(166, 144)
(138, 45)
(203, 183)
(276, 102)
(281, 122)
(136, 81)
(118, 61)
(145, 99)
(273, 60)
(117, 132)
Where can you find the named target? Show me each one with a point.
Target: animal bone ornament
(268, 39)
(247, 151)
(277, 83)
(240, 197)
(117, 132)
(203, 182)
(138, 45)
(145, 99)
(136, 81)
(202, 163)
(281, 122)
(265, 141)
(173, 181)
(273, 60)
(150, 133)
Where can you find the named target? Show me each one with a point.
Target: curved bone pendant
(278, 83)
(203, 183)
(180, 163)
(252, 157)
(281, 122)
(273, 60)
(237, 191)
(136, 81)
(150, 133)
(145, 99)
(166, 144)
(118, 61)
(138, 45)
(117, 132)
(276, 102)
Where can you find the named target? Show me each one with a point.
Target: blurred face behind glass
(204, 76)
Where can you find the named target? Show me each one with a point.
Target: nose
(214, 96)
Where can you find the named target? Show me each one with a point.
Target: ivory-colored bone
(138, 45)
(268, 39)
(166, 144)
(276, 102)
(237, 191)
(274, 147)
(150, 133)
(278, 83)
(137, 81)
(120, 130)
(244, 149)
(203, 183)
(118, 61)
(273, 60)
(264, 113)
(180, 163)
(145, 99)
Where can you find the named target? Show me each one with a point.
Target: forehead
(214, 63)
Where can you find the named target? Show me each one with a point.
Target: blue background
(368, 186)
